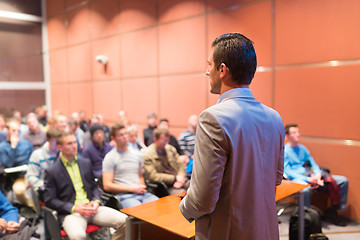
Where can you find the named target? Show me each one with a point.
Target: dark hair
(116, 127)
(288, 126)
(53, 132)
(163, 120)
(159, 131)
(238, 54)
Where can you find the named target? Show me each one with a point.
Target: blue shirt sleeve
(8, 211)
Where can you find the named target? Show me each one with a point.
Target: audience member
(97, 150)
(94, 119)
(122, 171)
(300, 167)
(187, 139)
(41, 159)
(187, 142)
(70, 190)
(61, 122)
(35, 134)
(105, 127)
(134, 140)
(162, 163)
(123, 118)
(148, 132)
(164, 123)
(16, 152)
(78, 133)
(41, 113)
(9, 217)
(84, 125)
(23, 126)
(2, 123)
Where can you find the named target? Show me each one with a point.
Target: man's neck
(294, 144)
(69, 158)
(191, 129)
(99, 144)
(122, 148)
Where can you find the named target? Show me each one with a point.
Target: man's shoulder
(111, 154)
(149, 151)
(54, 167)
(170, 148)
(4, 145)
(25, 143)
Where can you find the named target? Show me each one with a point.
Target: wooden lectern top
(287, 188)
(164, 213)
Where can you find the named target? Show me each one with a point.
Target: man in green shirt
(70, 189)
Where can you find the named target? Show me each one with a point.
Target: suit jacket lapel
(64, 172)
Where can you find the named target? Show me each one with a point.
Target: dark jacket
(59, 190)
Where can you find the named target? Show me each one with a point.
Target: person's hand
(180, 180)
(184, 159)
(3, 224)
(84, 210)
(14, 139)
(316, 180)
(139, 189)
(12, 227)
(94, 205)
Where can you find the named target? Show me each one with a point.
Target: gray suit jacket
(238, 161)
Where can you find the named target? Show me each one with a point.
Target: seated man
(41, 159)
(9, 216)
(162, 163)
(149, 131)
(134, 140)
(70, 190)
(35, 134)
(300, 167)
(122, 171)
(187, 141)
(97, 150)
(164, 123)
(16, 152)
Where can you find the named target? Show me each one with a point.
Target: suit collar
(235, 93)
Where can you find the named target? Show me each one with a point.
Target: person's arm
(110, 186)
(314, 166)
(141, 175)
(7, 211)
(154, 176)
(34, 171)
(210, 160)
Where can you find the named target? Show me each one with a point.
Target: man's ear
(224, 70)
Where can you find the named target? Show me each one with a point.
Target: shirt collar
(66, 162)
(234, 93)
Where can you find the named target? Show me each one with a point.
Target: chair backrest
(36, 201)
(52, 224)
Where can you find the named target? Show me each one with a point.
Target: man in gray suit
(239, 152)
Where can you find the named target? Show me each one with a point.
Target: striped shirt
(187, 143)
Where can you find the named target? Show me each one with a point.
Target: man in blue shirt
(9, 216)
(16, 152)
(300, 167)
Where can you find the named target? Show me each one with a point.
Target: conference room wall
(308, 58)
